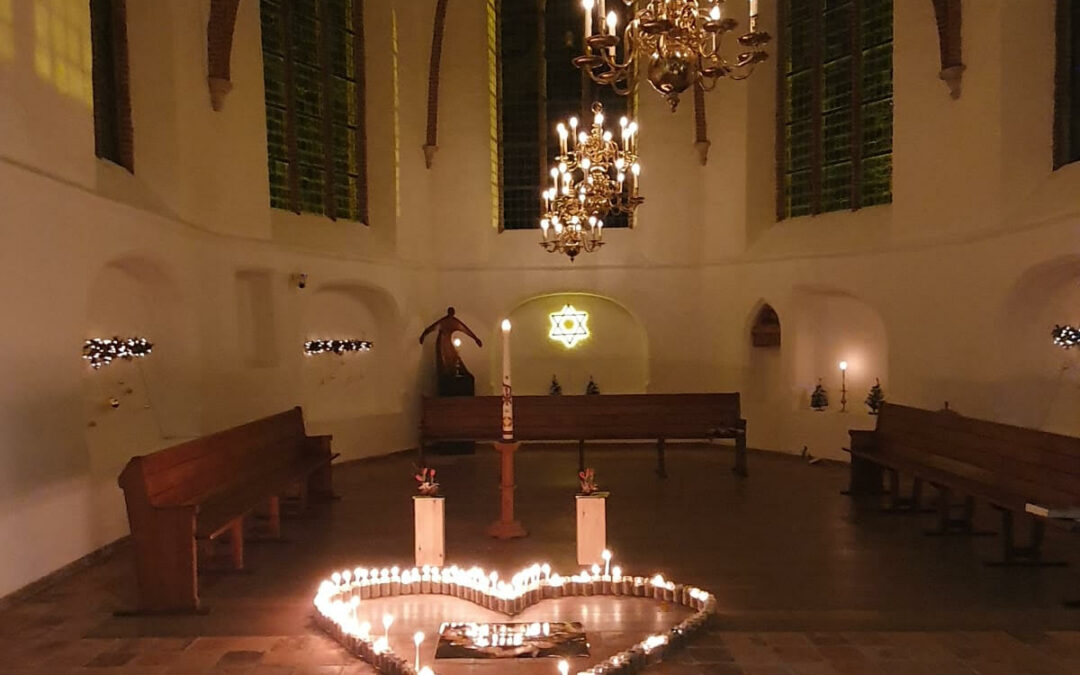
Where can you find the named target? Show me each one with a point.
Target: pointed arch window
(313, 67)
(835, 105)
(538, 85)
(113, 135)
(1067, 84)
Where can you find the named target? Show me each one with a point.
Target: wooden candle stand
(506, 527)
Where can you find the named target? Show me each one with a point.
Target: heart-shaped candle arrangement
(339, 597)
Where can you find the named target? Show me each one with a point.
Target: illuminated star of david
(568, 326)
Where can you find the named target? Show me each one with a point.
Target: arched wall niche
(765, 389)
(615, 354)
(831, 326)
(1039, 385)
(157, 395)
(766, 331)
(341, 387)
(824, 326)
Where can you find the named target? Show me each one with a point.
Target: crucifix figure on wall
(454, 378)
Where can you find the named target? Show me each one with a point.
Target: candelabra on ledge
(595, 175)
(681, 42)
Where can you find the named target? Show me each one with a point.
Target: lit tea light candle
(418, 639)
(606, 555)
(387, 621)
(564, 667)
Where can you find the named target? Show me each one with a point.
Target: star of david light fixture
(679, 41)
(569, 326)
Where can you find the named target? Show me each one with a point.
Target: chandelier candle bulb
(588, 5)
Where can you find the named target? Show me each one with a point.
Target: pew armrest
(862, 441)
(320, 445)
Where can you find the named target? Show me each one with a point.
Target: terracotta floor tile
(809, 582)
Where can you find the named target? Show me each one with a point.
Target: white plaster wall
(948, 294)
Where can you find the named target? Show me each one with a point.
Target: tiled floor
(808, 581)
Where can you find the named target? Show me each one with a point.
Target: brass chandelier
(680, 41)
(595, 175)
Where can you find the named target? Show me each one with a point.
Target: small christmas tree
(819, 399)
(591, 387)
(875, 398)
(555, 389)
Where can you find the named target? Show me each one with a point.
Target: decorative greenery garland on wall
(101, 351)
(312, 347)
(1066, 336)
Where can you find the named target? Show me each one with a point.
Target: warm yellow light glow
(457, 342)
(506, 325)
(569, 326)
(62, 53)
(336, 605)
(843, 365)
(7, 30)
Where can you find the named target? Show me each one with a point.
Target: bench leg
(165, 563)
(320, 485)
(866, 478)
(661, 469)
(1022, 556)
(301, 499)
(274, 509)
(900, 504)
(236, 543)
(740, 456)
(947, 525)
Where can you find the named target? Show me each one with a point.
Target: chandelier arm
(708, 83)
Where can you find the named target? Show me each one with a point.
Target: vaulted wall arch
(615, 353)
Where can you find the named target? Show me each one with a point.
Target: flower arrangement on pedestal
(427, 485)
(587, 478)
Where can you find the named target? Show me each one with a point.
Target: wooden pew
(583, 418)
(1005, 466)
(185, 496)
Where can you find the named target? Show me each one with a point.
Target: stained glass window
(1067, 85)
(313, 66)
(113, 135)
(834, 113)
(539, 86)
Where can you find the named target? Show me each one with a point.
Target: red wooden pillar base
(506, 527)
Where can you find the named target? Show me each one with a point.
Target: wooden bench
(1006, 466)
(181, 498)
(581, 418)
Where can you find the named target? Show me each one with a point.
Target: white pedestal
(430, 530)
(591, 529)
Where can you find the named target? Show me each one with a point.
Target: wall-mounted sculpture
(454, 378)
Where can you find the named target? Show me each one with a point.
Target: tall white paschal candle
(507, 392)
